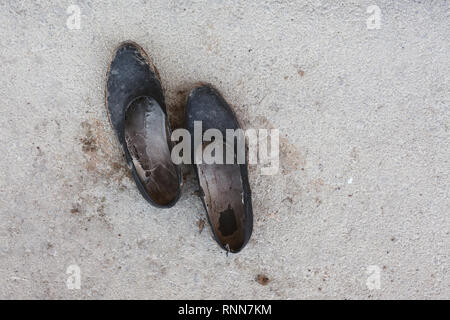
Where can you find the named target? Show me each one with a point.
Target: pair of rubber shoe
(137, 112)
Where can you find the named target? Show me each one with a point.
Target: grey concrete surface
(365, 150)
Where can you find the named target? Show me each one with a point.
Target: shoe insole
(222, 186)
(146, 136)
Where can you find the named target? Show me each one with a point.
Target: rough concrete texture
(365, 151)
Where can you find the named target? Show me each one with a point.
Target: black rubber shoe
(137, 112)
(224, 188)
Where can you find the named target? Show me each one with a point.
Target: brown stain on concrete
(176, 102)
(262, 279)
(103, 157)
(200, 225)
(291, 158)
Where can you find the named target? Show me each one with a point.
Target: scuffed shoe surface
(147, 141)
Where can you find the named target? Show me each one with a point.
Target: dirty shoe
(224, 188)
(137, 112)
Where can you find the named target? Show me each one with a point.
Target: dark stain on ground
(186, 175)
(291, 158)
(88, 142)
(200, 225)
(288, 199)
(176, 101)
(75, 208)
(197, 193)
(318, 201)
(39, 151)
(262, 279)
(101, 211)
(91, 209)
(104, 159)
